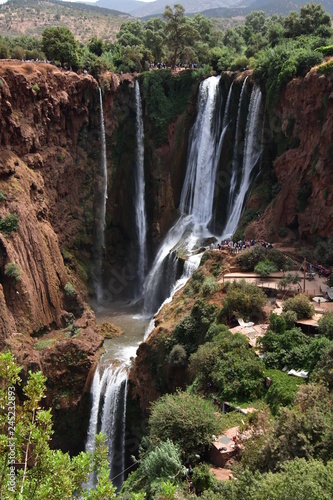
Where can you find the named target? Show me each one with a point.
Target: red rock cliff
(304, 171)
(43, 178)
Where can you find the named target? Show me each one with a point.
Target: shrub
(35, 87)
(1, 83)
(191, 330)
(69, 290)
(13, 271)
(230, 366)
(243, 300)
(43, 344)
(283, 390)
(248, 259)
(178, 356)
(9, 224)
(326, 51)
(301, 305)
(265, 268)
(326, 325)
(326, 69)
(2, 195)
(187, 420)
(209, 286)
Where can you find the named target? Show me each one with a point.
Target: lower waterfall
(108, 415)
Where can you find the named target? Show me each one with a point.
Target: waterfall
(198, 189)
(235, 164)
(196, 201)
(100, 226)
(108, 415)
(140, 210)
(190, 265)
(252, 152)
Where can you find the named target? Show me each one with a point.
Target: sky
(92, 1)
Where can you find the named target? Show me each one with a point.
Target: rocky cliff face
(302, 128)
(43, 181)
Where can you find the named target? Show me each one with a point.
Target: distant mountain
(142, 9)
(31, 17)
(127, 6)
(270, 7)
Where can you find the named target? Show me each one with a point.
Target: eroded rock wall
(302, 127)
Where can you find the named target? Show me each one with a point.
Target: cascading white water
(114, 419)
(235, 166)
(108, 415)
(198, 189)
(140, 209)
(252, 151)
(100, 226)
(196, 202)
(190, 265)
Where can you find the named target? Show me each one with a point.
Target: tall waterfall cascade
(100, 224)
(108, 415)
(252, 152)
(234, 166)
(196, 201)
(199, 188)
(140, 209)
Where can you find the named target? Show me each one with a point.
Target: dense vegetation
(276, 47)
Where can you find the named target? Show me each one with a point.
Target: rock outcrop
(302, 128)
(43, 172)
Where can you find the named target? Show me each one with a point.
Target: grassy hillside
(31, 17)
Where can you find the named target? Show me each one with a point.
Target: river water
(129, 318)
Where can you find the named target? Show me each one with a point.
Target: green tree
(95, 46)
(229, 365)
(301, 305)
(186, 419)
(154, 37)
(131, 33)
(298, 478)
(176, 30)
(59, 45)
(233, 40)
(40, 472)
(325, 325)
(301, 432)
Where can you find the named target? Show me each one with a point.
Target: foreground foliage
(29, 468)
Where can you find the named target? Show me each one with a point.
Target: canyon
(51, 177)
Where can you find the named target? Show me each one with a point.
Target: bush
(187, 420)
(191, 330)
(9, 224)
(326, 51)
(36, 87)
(301, 305)
(13, 271)
(69, 290)
(326, 69)
(265, 268)
(243, 300)
(326, 325)
(209, 286)
(283, 390)
(178, 356)
(2, 195)
(229, 365)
